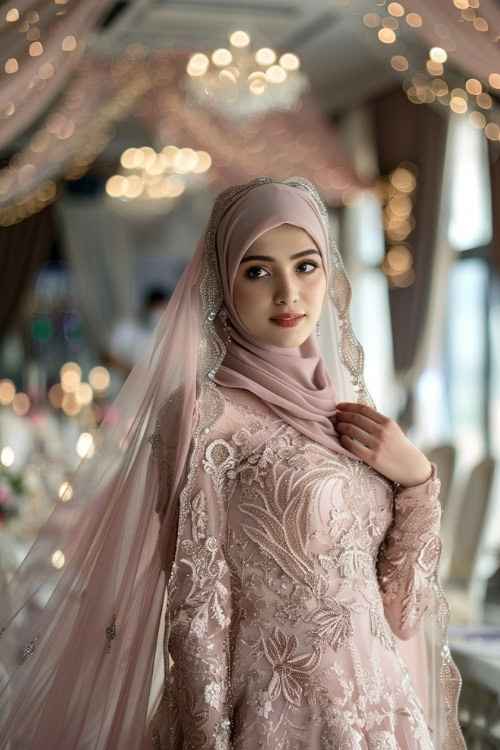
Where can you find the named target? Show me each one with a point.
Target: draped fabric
(473, 50)
(99, 250)
(495, 201)
(293, 381)
(24, 247)
(405, 132)
(44, 62)
(105, 88)
(70, 136)
(145, 557)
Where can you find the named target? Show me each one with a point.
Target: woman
(299, 549)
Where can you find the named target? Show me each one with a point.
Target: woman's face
(280, 286)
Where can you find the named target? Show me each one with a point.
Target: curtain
(362, 247)
(114, 255)
(415, 133)
(99, 251)
(24, 247)
(495, 201)
(39, 50)
(77, 129)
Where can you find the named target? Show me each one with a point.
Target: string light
(387, 36)
(372, 20)
(399, 62)
(396, 9)
(7, 456)
(7, 392)
(35, 49)
(60, 129)
(99, 378)
(396, 193)
(11, 66)
(469, 98)
(68, 43)
(65, 492)
(414, 20)
(21, 404)
(58, 559)
(85, 445)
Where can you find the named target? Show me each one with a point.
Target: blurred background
(119, 123)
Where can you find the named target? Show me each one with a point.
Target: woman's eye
(255, 272)
(308, 266)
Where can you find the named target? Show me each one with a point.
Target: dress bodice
(296, 572)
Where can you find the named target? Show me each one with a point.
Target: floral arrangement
(11, 490)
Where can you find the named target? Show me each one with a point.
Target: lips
(288, 319)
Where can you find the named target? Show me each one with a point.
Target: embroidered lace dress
(294, 570)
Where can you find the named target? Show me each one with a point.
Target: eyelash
(304, 263)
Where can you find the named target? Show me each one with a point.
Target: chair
(462, 585)
(444, 456)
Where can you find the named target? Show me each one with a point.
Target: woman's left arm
(410, 552)
(409, 555)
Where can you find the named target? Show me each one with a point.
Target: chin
(285, 338)
(288, 341)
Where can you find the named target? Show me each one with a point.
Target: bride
(247, 508)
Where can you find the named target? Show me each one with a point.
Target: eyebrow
(269, 257)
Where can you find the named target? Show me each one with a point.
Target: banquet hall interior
(120, 120)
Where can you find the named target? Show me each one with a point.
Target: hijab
(294, 382)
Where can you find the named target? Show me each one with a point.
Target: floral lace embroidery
(295, 568)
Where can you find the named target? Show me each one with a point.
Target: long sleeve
(200, 618)
(409, 555)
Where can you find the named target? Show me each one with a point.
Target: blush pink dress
(296, 573)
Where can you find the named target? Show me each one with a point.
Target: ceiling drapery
(40, 43)
(75, 129)
(104, 89)
(474, 51)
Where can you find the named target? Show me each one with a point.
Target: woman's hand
(384, 445)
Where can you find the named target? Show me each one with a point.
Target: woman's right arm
(200, 607)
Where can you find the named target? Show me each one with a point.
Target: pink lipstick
(288, 320)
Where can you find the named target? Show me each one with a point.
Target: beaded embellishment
(111, 633)
(156, 740)
(339, 290)
(28, 648)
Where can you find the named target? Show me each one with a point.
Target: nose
(286, 292)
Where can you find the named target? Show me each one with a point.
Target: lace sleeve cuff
(430, 488)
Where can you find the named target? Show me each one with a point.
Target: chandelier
(150, 182)
(240, 83)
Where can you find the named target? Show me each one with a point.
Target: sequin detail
(111, 633)
(157, 442)
(29, 648)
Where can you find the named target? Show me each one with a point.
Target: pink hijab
(293, 382)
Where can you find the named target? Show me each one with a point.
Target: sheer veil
(83, 625)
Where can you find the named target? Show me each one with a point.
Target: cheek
(315, 291)
(245, 297)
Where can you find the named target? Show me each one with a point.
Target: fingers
(367, 424)
(354, 432)
(358, 450)
(363, 409)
